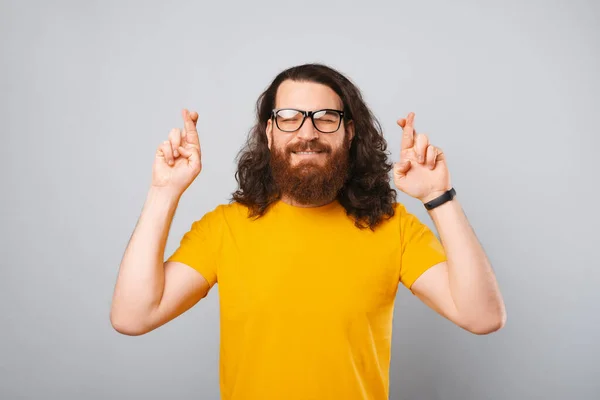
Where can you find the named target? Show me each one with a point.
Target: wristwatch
(438, 201)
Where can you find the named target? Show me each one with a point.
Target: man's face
(312, 179)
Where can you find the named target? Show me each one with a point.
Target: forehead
(306, 96)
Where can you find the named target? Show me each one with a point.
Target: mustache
(309, 148)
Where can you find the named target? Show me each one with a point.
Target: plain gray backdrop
(89, 89)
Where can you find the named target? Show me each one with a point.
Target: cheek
(281, 142)
(276, 145)
(338, 145)
(280, 148)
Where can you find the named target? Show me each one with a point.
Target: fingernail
(170, 162)
(175, 153)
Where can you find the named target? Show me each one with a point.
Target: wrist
(163, 195)
(433, 195)
(438, 199)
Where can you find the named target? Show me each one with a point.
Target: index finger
(407, 131)
(189, 123)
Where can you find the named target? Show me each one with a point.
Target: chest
(328, 272)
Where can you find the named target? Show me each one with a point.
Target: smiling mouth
(307, 152)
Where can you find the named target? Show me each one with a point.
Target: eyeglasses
(290, 119)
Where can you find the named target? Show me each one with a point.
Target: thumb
(190, 153)
(401, 168)
(185, 152)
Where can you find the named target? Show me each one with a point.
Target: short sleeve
(421, 249)
(196, 249)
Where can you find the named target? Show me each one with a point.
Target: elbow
(127, 326)
(485, 326)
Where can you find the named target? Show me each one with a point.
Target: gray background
(510, 91)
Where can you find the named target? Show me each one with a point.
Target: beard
(311, 181)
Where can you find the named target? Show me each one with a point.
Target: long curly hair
(366, 196)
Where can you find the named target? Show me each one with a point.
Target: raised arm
(464, 288)
(149, 292)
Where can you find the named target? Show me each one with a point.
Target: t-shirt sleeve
(197, 249)
(420, 248)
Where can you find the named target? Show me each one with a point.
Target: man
(310, 252)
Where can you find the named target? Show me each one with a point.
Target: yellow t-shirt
(306, 298)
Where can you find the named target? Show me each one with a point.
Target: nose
(307, 131)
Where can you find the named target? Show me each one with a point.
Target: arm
(148, 293)
(464, 288)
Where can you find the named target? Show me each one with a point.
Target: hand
(177, 161)
(422, 172)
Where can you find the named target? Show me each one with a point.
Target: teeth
(307, 152)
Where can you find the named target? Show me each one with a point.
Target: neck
(292, 202)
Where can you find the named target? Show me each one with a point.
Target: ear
(269, 132)
(350, 130)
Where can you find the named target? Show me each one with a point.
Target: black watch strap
(438, 201)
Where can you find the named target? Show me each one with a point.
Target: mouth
(307, 153)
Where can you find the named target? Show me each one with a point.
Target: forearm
(141, 279)
(472, 281)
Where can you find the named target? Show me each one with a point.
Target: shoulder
(408, 221)
(225, 213)
(214, 221)
(390, 219)
(233, 210)
(399, 207)
(400, 212)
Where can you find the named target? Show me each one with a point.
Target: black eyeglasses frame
(308, 114)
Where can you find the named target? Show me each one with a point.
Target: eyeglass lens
(325, 121)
